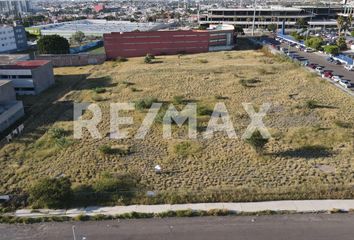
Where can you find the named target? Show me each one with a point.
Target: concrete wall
(7, 92)
(43, 77)
(14, 112)
(64, 60)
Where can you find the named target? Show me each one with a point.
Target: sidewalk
(294, 206)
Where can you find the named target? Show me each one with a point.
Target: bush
(312, 104)
(314, 42)
(331, 49)
(257, 141)
(204, 111)
(145, 103)
(81, 217)
(105, 149)
(108, 183)
(177, 100)
(51, 193)
(99, 90)
(148, 58)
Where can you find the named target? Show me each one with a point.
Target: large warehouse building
(93, 27)
(135, 44)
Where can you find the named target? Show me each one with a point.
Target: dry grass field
(311, 122)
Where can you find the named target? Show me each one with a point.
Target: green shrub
(185, 148)
(257, 141)
(312, 104)
(177, 100)
(105, 149)
(145, 103)
(343, 124)
(81, 217)
(99, 90)
(51, 193)
(204, 111)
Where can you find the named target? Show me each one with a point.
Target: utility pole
(254, 17)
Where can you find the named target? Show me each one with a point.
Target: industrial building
(10, 109)
(28, 77)
(92, 27)
(135, 44)
(317, 16)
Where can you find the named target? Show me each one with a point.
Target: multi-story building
(15, 7)
(7, 39)
(28, 77)
(10, 109)
(12, 38)
(264, 16)
(20, 37)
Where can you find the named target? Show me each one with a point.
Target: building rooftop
(4, 82)
(12, 58)
(32, 64)
(97, 26)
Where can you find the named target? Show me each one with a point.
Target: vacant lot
(312, 124)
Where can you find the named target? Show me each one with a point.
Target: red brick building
(136, 44)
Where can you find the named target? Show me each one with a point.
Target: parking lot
(318, 59)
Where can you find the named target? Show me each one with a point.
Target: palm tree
(340, 24)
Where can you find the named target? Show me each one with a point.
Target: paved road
(319, 59)
(282, 227)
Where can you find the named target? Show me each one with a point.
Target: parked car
(319, 70)
(349, 67)
(327, 75)
(312, 65)
(345, 83)
(337, 62)
(309, 50)
(336, 78)
(330, 59)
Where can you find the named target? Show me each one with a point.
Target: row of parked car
(310, 50)
(329, 74)
(320, 70)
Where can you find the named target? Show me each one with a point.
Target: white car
(336, 78)
(345, 83)
(309, 50)
(349, 67)
(298, 46)
(319, 70)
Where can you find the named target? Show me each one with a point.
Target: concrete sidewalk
(295, 206)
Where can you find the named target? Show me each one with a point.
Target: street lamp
(254, 16)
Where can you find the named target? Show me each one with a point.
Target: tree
(341, 43)
(257, 141)
(272, 27)
(331, 49)
(314, 42)
(301, 23)
(341, 21)
(239, 30)
(51, 193)
(78, 37)
(53, 44)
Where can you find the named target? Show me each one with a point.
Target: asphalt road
(319, 59)
(282, 227)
